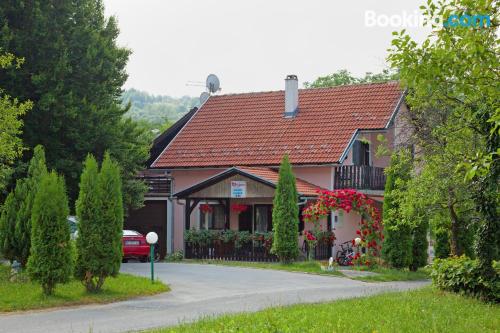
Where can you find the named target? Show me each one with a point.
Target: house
(225, 155)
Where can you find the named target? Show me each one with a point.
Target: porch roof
(265, 176)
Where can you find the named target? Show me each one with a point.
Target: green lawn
(28, 295)
(425, 310)
(390, 274)
(313, 267)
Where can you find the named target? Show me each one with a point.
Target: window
(360, 153)
(263, 218)
(215, 219)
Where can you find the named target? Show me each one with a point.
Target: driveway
(197, 291)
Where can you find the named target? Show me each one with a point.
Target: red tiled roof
(249, 129)
(303, 187)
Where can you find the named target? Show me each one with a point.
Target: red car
(135, 246)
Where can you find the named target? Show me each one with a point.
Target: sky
(251, 45)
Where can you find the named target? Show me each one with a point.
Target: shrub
(285, 215)
(50, 261)
(175, 256)
(463, 275)
(419, 245)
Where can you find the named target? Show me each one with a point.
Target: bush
(285, 215)
(463, 275)
(50, 261)
(419, 245)
(175, 256)
(8, 244)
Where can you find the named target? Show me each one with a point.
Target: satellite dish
(203, 97)
(213, 84)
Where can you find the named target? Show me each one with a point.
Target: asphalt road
(197, 291)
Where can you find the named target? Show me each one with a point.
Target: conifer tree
(50, 261)
(100, 214)
(88, 211)
(26, 192)
(397, 246)
(285, 215)
(8, 215)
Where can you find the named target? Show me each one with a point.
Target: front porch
(229, 215)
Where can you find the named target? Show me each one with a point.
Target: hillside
(156, 109)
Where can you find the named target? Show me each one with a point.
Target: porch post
(188, 214)
(228, 216)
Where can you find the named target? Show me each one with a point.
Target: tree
(110, 191)
(11, 111)
(344, 77)
(397, 246)
(74, 71)
(50, 262)
(8, 244)
(26, 191)
(285, 215)
(88, 211)
(456, 69)
(16, 222)
(100, 229)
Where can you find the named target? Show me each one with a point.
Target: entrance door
(245, 220)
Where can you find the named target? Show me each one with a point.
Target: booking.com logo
(416, 19)
(465, 20)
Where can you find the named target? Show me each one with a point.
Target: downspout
(170, 219)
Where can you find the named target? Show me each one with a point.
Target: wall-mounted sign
(238, 189)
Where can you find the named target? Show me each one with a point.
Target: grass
(390, 274)
(424, 310)
(15, 296)
(312, 267)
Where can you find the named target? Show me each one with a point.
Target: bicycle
(345, 256)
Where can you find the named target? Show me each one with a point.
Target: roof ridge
(343, 86)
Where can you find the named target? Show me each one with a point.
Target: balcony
(359, 177)
(159, 185)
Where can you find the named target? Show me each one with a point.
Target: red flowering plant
(311, 243)
(205, 208)
(347, 200)
(238, 208)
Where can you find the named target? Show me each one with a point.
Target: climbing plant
(347, 200)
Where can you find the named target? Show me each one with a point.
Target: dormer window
(361, 153)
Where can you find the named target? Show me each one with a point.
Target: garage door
(151, 217)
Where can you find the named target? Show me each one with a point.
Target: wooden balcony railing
(359, 177)
(158, 186)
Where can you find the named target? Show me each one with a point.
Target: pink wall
(319, 175)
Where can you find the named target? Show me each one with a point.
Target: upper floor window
(360, 153)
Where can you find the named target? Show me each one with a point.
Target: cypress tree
(285, 215)
(89, 241)
(110, 191)
(8, 215)
(26, 191)
(397, 246)
(100, 214)
(50, 261)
